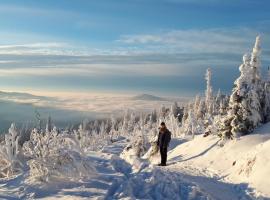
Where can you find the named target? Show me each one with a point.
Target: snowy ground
(197, 169)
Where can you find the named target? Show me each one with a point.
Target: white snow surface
(197, 169)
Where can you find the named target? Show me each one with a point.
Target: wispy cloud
(78, 70)
(33, 45)
(40, 48)
(166, 53)
(222, 40)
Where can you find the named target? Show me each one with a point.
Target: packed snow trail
(176, 182)
(116, 180)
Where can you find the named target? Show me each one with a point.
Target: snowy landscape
(219, 149)
(135, 100)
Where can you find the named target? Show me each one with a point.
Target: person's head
(162, 125)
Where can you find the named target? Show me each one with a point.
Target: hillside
(244, 161)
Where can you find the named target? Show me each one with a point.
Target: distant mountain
(21, 95)
(148, 97)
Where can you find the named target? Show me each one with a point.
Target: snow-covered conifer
(245, 105)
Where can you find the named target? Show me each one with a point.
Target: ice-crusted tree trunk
(217, 102)
(113, 132)
(200, 112)
(49, 124)
(255, 63)
(124, 124)
(209, 91)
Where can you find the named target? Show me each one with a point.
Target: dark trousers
(163, 154)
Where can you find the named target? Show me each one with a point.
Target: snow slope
(198, 169)
(242, 161)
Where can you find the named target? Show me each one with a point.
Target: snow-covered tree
(9, 162)
(192, 126)
(245, 101)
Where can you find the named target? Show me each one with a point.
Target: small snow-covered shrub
(61, 164)
(9, 150)
(92, 140)
(133, 152)
(56, 156)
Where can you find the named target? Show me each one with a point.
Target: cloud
(77, 70)
(166, 53)
(219, 40)
(41, 48)
(33, 45)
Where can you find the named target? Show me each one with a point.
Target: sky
(160, 47)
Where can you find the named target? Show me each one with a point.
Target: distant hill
(148, 97)
(21, 95)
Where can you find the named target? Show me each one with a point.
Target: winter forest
(39, 156)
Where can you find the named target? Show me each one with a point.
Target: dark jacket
(164, 139)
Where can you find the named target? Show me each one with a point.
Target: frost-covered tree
(113, 133)
(192, 126)
(245, 100)
(9, 162)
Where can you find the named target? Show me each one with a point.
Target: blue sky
(154, 46)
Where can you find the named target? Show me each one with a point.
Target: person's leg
(163, 156)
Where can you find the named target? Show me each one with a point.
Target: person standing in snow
(164, 138)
